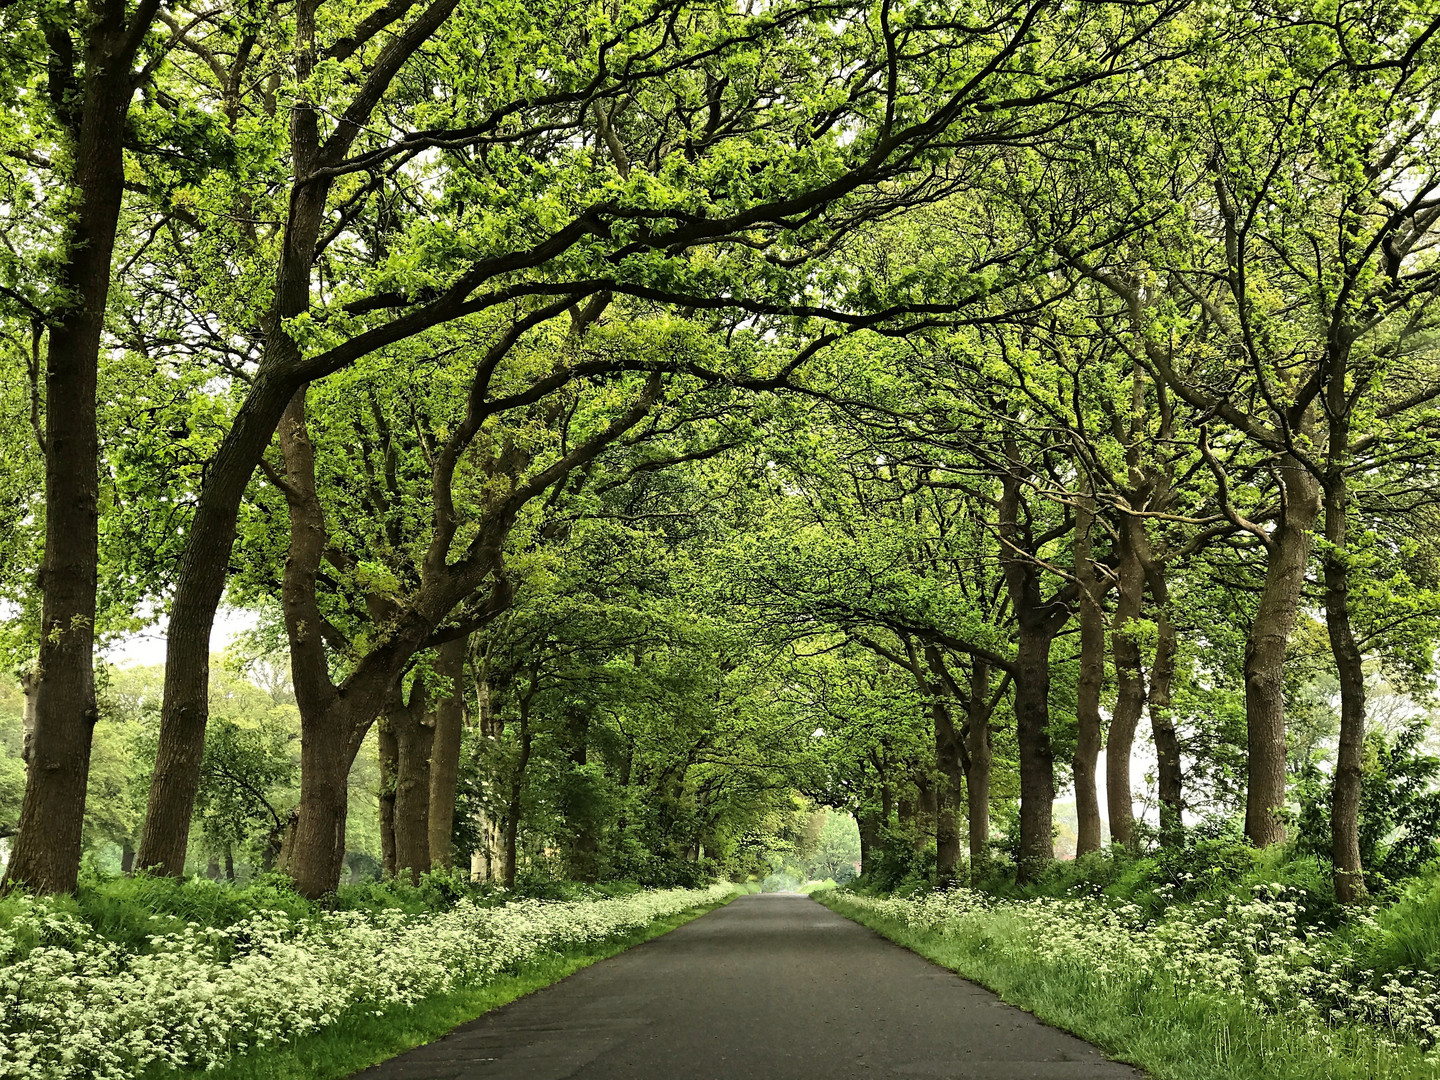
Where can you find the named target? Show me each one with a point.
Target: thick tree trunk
(907, 814)
(198, 588)
(1347, 785)
(977, 774)
(1037, 622)
(950, 761)
(414, 732)
(1265, 647)
(389, 768)
(947, 831)
(46, 853)
(1169, 773)
(927, 810)
(1091, 682)
(869, 840)
(315, 857)
(516, 805)
(1032, 731)
(445, 756)
(1129, 684)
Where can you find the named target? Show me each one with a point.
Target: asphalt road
(769, 987)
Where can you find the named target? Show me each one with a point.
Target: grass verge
(359, 1040)
(1171, 1038)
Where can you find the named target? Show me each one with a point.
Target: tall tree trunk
(414, 731)
(947, 830)
(200, 582)
(315, 857)
(927, 810)
(1347, 785)
(950, 761)
(869, 840)
(977, 773)
(445, 756)
(584, 843)
(1032, 731)
(1037, 622)
(1091, 682)
(1265, 648)
(1169, 772)
(199, 585)
(46, 853)
(516, 804)
(907, 814)
(1129, 683)
(29, 680)
(389, 769)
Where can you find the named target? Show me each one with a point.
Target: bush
(130, 911)
(1399, 807)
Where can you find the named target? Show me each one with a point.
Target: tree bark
(947, 830)
(200, 582)
(1090, 685)
(199, 585)
(869, 840)
(584, 843)
(517, 790)
(389, 768)
(927, 810)
(315, 856)
(1037, 622)
(977, 773)
(46, 852)
(414, 732)
(1348, 782)
(1169, 773)
(907, 814)
(1265, 647)
(1032, 730)
(1129, 683)
(445, 756)
(950, 760)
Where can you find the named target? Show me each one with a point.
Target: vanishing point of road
(769, 987)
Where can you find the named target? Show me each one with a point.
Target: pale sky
(147, 647)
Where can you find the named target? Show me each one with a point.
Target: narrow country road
(770, 987)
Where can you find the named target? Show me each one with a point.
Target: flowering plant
(1255, 949)
(201, 995)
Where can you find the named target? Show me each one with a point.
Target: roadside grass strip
(197, 998)
(1229, 988)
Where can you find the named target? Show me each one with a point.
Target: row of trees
(955, 333)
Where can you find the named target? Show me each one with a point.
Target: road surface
(769, 987)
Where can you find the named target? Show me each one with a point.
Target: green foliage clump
(1399, 806)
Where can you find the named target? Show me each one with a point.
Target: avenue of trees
(633, 426)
